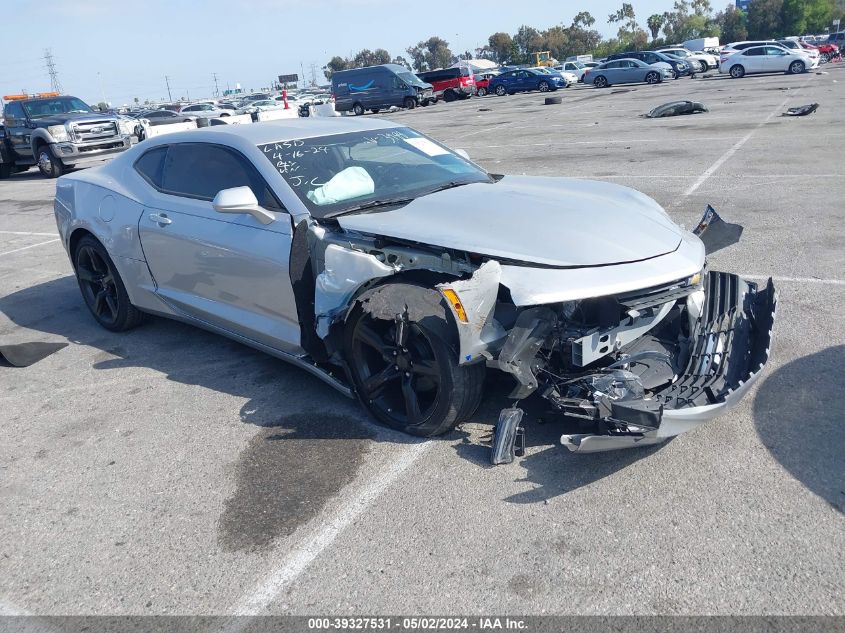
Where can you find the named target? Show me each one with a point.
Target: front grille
(100, 146)
(656, 295)
(94, 130)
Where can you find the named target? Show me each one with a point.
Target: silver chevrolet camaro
(400, 272)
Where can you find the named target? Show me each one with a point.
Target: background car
(764, 59)
(264, 104)
(163, 117)
(450, 84)
(206, 110)
(626, 71)
(699, 62)
(679, 67)
(796, 46)
(576, 68)
(482, 83)
(525, 80)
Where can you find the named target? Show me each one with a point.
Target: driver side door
(229, 271)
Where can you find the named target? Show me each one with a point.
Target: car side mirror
(462, 153)
(241, 200)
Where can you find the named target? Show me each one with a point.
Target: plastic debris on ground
(26, 354)
(675, 108)
(803, 110)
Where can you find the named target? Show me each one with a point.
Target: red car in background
(450, 84)
(482, 83)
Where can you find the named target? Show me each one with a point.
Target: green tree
(582, 38)
(432, 53)
(500, 46)
(401, 61)
(655, 23)
(335, 64)
(765, 19)
(820, 14)
(732, 24)
(525, 39)
(629, 33)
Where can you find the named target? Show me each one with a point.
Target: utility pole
(216, 91)
(167, 81)
(314, 75)
(55, 86)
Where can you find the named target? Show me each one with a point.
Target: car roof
(280, 130)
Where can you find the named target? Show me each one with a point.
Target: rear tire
(737, 71)
(600, 82)
(358, 109)
(102, 288)
(449, 96)
(796, 68)
(430, 392)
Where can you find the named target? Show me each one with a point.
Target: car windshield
(678, 53)
(357, 171)
(410, 79)
(50, 107)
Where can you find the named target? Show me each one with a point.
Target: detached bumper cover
(729, 349)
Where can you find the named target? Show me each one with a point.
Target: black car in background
(679, 66)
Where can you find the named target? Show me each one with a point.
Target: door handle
(160, 218)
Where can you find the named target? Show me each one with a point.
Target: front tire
(796, 68)
(410, 103)
(406, 372)
(652, 78)
(737, 72)
(102, 288)
(501, 91)
(48, 164)
(543, 86)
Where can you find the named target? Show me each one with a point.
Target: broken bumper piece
(727, 353)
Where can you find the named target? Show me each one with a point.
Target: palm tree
(655, 22)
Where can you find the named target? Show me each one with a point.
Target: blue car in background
(525, 80)
(625, 71)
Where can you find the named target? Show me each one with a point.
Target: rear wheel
(449, 96)
(737, 71)
(406, 372)
(797, 67)
(500, 90)
(652, 78)
(824, 58)
(48, 164)
(600, 81)
(358, 109)
(702, 66)
(102, 288)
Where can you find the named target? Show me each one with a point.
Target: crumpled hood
(562, 222)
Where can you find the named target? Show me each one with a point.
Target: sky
(118, 50)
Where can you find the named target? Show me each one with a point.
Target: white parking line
(298, 561)
(29, 233)
(736, 146)
(18, 250)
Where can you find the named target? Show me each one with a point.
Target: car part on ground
(26, 354)
(802, 110)
(674, 108)
(337, 245)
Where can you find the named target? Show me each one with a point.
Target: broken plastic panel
(505, 436)
(674, 108)
(26, 354)
(715, 233)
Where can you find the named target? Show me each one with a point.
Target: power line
(55, 86)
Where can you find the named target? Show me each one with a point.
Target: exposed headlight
(696, 279)
(59, 133)
(126, 127)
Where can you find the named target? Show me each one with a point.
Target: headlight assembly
(59, 133)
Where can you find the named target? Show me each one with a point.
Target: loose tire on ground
(102, 288)
(552, 101)
(411, 380)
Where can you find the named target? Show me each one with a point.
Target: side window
(754, 52)
(398, 84)
(150, 165)
(202, 170)
(14, 111)
(774, 51)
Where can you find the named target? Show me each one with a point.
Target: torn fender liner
(26, 354)
(715, 233)
(302, 282)
(478, 299)
(526, 338)
(728, 351)
(345, 271)
(674, 108)
(505, 437)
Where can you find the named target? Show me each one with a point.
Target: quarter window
(150, 165)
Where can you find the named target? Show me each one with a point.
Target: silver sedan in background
(626, 71)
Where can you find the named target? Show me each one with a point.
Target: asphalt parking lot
(171, 471)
